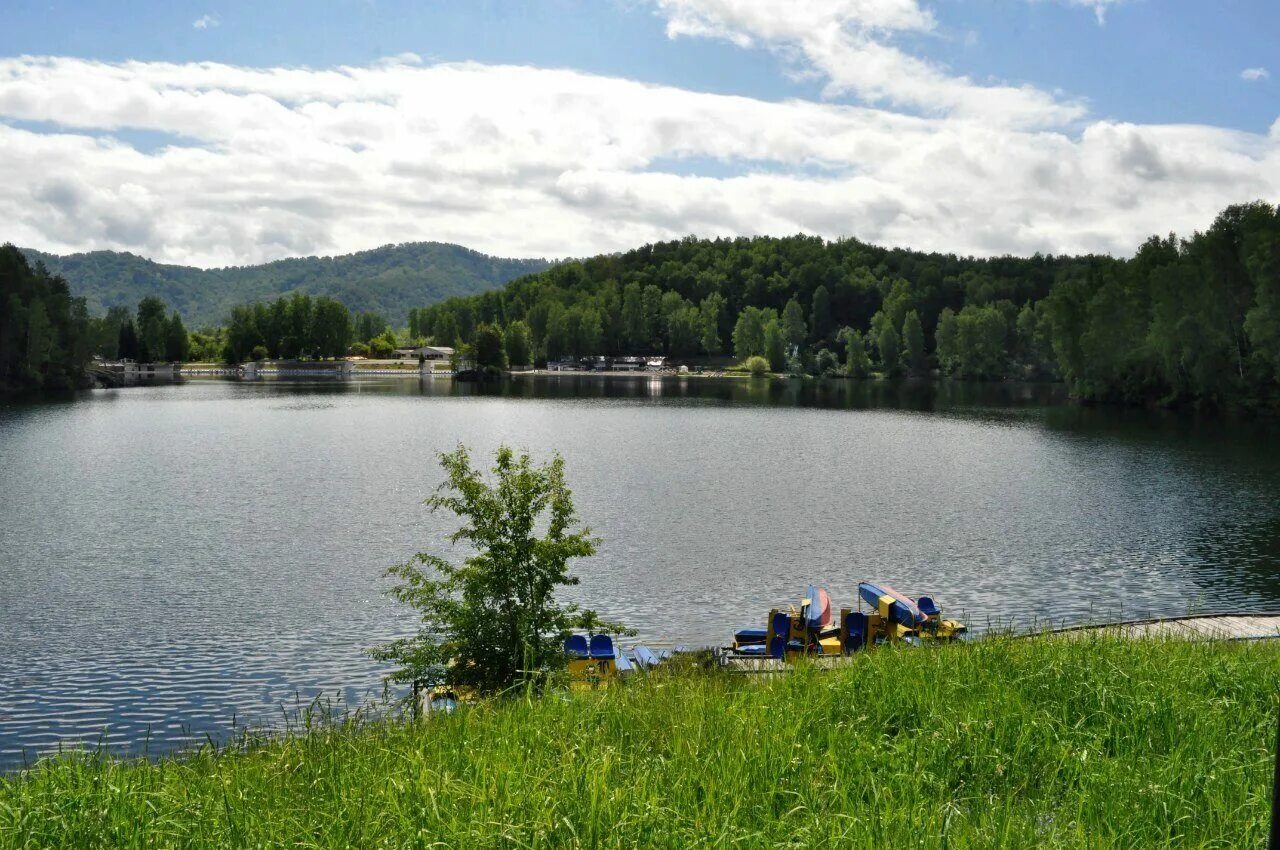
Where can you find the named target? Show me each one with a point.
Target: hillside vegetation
(1001, 743)
(388, 280)
(1184, 321)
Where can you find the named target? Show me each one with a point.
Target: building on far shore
(424, 352)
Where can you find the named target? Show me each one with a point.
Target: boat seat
(576, 646)
(854, 631)
(927, 606)
(780, 634)
(602, 647)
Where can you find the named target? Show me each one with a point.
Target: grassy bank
(997, 744)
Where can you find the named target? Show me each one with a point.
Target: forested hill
(388, 280)
(1192, 320)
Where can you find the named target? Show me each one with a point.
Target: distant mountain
(390, 280)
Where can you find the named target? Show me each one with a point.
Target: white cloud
(1099, 7)
(205, 22)
(1254, 75)
(848, 43)
(273, 162)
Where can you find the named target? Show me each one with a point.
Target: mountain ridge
(390, 279)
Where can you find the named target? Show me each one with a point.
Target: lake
(175, 559)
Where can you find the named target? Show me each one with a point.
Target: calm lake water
(175, 557)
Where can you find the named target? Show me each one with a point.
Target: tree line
(1183, 321)
(44, 331)
(1194, 320)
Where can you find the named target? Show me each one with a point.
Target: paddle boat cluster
(811, 629)
(597, 661)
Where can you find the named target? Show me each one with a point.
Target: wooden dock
(1200, 627)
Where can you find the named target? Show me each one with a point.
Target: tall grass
(1001, 743)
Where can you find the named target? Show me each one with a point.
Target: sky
(216, 133)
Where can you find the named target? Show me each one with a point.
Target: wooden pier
(1198, 627)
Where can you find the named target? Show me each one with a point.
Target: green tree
(913, 342)
(793, 326)
(748, 333)
(368, 325)
(633, 330)
(488, 348)
(519, 344)
(711, 309)
(494, 619)
(177, 344)
(127, 344)
(683, 331)
(775, 345)
(889, 347)
(153, 328)
(330, 328)
(945, 341)
(857, 363)
(820, 313)
(383, 345)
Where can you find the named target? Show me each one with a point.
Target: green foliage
(888, 344)
(176, 343)
(296, 326)
(913, 342)
(519, 344)
(775, 345)
(820, 315)
(973, 343)
(793, 326)
(711, 315)
(825, 362)
(1058, 745)
(488, 347)
(389, 280)
(383, 346)
(749, 332)
(493, 621)
(45, 334)
(756, 365)
(359, 349)
(857, 362)
(153, 329)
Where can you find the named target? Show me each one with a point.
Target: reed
(1000, 743)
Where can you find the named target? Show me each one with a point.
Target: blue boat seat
(576, 646)
(927, 606)
(751, 635)
(602, 647)
(854, 631)
(780, 630)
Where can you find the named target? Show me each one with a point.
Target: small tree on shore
(491, 620)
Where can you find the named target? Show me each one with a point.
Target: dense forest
(44, 332)
(1193, 320)
(387, 280)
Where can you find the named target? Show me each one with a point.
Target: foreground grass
(998, 744)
